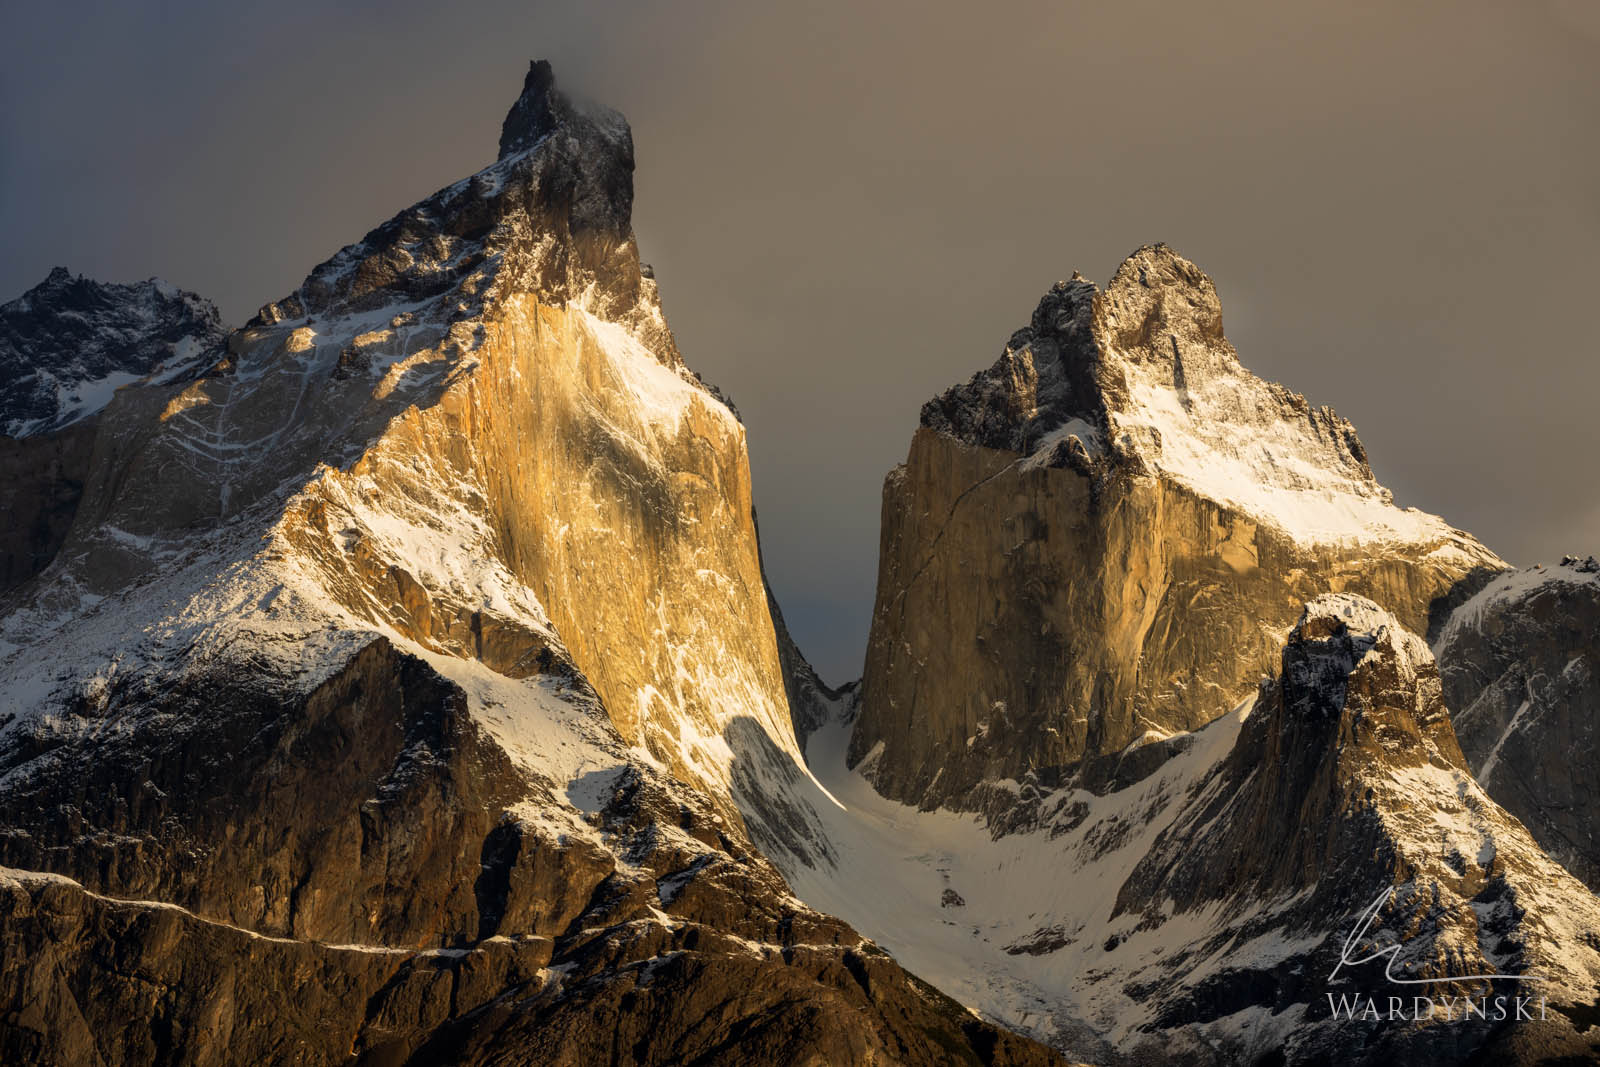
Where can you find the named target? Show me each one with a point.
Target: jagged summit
(1140, 377)
(1101, 540)
(552, 215)
(537, 111)
(1350, 659)
(544, 108)
(1044, 380)
(68, 343)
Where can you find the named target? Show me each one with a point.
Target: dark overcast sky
(850, 206)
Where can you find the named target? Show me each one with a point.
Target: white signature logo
(1351, 944)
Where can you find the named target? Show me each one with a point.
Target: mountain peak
(552, 215)
(539, 109)
(543, 108)
(1142, 376)
(1116, 445)
(68, 343)
(1156, 293)
(1349, 656)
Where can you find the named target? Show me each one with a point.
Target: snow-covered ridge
(1144, 379)
(1225, 440)
(661, 392)
(1373, 631)
(1512, 586)
(68, 344)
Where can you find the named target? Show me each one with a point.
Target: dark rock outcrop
(43, 475)
(66, 345)
(1346, 791)
(68, 342)
(812, 702)
(1521, 669)
(687, 953)
(347, 874)
(356, 814)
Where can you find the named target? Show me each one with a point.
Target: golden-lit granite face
(470, 430)
(611, 487)
(1103, 540)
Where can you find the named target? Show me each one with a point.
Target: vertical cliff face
(1521, 668)
(1101, 541)
(44, 477)
(605, 483)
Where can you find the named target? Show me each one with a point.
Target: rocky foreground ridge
(1346, 787)
(403, 689)
(1225, 904)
